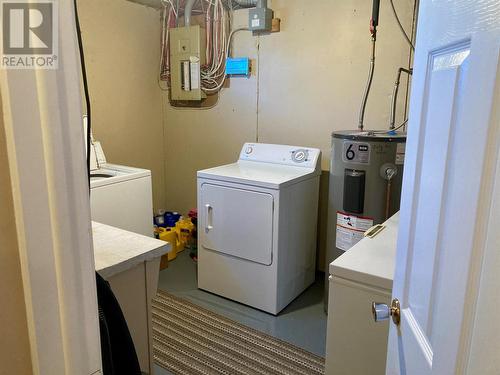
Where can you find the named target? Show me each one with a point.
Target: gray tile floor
(302, 323)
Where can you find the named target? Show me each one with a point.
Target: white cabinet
(355, 343)
(364, 274)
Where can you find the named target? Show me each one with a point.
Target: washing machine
(257, 225)
(121, 196)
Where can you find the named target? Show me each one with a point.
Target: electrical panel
(187, 55)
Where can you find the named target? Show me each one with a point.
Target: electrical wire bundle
(169, 17)
(217, 24)
(218, 39)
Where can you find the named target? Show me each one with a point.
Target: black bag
(117, 348)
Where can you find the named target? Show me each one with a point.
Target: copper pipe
(388, 200)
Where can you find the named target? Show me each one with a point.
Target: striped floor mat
(191, 340)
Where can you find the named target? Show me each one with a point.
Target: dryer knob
(300, 156)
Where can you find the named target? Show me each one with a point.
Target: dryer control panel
(280, 154)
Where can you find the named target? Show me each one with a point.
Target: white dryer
(257, 225)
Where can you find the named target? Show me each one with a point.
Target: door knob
(382, 311)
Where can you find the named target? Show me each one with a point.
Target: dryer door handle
(208, 217)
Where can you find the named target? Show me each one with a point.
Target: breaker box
(187, 55)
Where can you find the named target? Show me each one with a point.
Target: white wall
(122, 49)
(313, 73)
(307, 81)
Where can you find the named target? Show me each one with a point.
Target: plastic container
(184, 229)
(170, 236)
(171, 218)
(159, 221)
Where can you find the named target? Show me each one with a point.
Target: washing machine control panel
(281, 154)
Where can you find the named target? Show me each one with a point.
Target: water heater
(366, 173)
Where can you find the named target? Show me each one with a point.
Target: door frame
(42, 120)
(481, 323)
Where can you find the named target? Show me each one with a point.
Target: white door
(237, 222)
(452, 152)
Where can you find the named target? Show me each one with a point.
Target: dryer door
(237, 222)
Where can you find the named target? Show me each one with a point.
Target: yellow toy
(184, 229)
(170, 236)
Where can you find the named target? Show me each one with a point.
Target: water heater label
(350, 229)
(356, 152)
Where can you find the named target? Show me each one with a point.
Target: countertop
(117, 250)
(372, 260)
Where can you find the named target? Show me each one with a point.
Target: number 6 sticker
(356, 152)
(350, 154)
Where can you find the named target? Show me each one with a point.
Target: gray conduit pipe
(373, 31)
(246, 3)
(188, 9)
